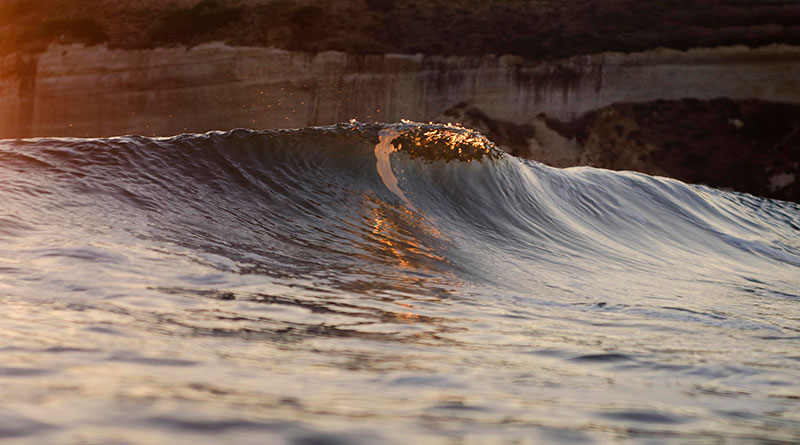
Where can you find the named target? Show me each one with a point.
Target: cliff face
(78, 91)
(17, 93)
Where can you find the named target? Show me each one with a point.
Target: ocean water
(400, 283)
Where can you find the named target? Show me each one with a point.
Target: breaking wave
(420, 238)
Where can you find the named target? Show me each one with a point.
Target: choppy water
(268, 287)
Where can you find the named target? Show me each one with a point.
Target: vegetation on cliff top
(536, 29)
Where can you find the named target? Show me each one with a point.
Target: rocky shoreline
(663, 112)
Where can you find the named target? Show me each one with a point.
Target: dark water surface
(276, 287)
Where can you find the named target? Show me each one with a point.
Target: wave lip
(447, 142)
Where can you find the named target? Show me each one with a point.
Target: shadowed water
(256, 287)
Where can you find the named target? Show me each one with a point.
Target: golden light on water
(383, 235)
(388, 228)
(430, 142)
(445, 142)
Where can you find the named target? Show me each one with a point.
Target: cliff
(95, 91)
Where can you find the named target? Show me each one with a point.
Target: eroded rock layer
(95, 91)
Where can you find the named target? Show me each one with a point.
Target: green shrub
(307, 16)
(80, 30)
(308, 27)
(37, 36)
(380, 5)
(13, 9)
(203, 18)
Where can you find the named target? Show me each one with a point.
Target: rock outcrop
(750, 146)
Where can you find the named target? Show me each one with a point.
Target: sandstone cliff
(96, 91)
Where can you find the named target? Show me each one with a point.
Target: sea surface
(401, 283)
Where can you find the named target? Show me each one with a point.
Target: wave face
(375, 283)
